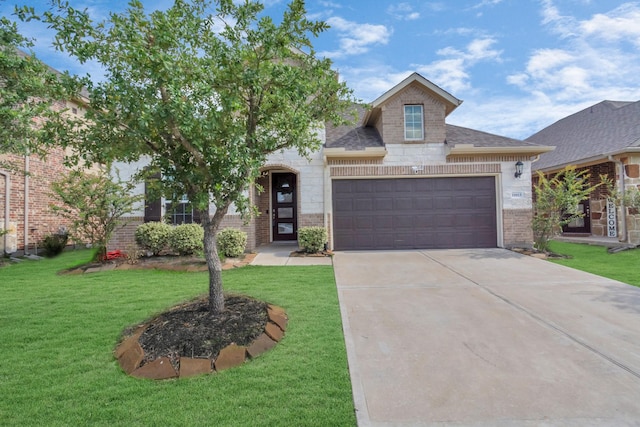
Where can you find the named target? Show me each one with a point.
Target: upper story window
(413, 122)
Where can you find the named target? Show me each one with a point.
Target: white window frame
(421, 137)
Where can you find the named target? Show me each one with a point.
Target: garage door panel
(382, 204)
(362, 205)
(404, 222)
(412, 213)
(443, 202)
(363, 223)
(403, 203)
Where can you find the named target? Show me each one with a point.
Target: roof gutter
(467, 149)
(590, 160)
(343, 153)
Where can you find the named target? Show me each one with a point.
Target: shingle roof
(602, 129)
(460, 135)
(353, 137)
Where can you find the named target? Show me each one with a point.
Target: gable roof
(604, 129)
(450, 101)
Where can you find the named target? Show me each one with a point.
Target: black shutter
(152, 208)
(197, 215)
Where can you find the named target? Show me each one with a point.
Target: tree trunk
(211, 225)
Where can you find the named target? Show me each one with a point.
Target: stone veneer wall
(632, 179)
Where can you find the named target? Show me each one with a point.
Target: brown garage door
(414, 213)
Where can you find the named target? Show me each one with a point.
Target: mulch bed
(189, 330)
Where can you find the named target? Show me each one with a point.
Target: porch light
(519, 166)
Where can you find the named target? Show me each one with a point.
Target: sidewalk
(278, 254)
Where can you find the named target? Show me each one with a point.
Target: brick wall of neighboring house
(42, 172)
(41, 220)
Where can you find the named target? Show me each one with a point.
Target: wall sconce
(519, 166)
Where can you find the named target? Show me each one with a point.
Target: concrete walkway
(278, 254)
(487, 338)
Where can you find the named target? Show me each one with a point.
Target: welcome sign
(612, 224)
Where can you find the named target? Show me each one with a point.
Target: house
(401, 178)
(603, 139)
(25, 195)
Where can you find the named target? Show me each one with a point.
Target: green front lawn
(623, 266)
(57, 334)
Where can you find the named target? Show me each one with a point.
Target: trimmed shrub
(153, 236)
(187, 239)
(312, 239)
(54, 244)
(232, 242)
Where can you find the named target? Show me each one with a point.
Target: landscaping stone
(190, 367)
(130, 354)
(131, 358)
(278, 318)
(230, 357)
(159, 369)
(126, 344)
(274, 332)
(261, 345)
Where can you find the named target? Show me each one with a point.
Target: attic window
(413, 124)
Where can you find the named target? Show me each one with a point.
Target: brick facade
(516, 224)
(391, 122)
(41, 221)
(34, 188)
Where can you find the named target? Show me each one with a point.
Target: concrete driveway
(485, 338)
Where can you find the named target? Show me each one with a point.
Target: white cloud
(356, 39)
(592, 60)
(452, 72)
(485, 3)
(620, 24)
(403, 11)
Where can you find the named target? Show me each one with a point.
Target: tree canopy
(204, 91)
(27, 90)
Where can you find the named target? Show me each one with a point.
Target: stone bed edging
(130, 353)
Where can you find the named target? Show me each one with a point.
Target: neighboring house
(25, 195)
(604, 139)
(401, 178)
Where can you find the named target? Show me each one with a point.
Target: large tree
(27, 90)
(204, 91)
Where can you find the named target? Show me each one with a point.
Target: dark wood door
(415, 213)
(580, 225)
(284, 206)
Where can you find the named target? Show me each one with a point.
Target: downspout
(26, 204)
(623, 210)
(7, 195)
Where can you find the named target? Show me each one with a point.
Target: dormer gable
(413, 111)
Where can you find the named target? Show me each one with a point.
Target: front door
(580, 225)
(283, 202)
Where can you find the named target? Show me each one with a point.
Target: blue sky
(518, 65)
